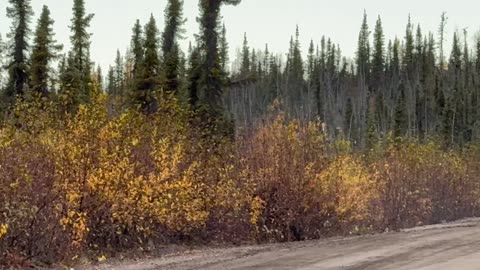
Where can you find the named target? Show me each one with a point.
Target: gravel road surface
(440, 247)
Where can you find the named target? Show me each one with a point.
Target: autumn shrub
(303, 189)
(422, 184)
(95, 182)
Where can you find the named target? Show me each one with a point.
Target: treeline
(154, 62)
(404, 87)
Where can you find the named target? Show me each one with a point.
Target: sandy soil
(440, 247)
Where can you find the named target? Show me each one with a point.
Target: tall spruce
(119, 85)
(80, 40)
(138, 55)
(211, 90)
(223, 53)
(111, 84)
(149, 80)
(45, 50)
(378, 58)
(20, 12)
(245, 65)
(363, 50)
(171, 52)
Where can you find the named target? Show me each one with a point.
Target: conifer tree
(223, 51)
(311, 61)
(254, 65)
(245, 65)
(80, 40)
(211, 79)
(119, 85)
(400, 128)
(454, 97)
(378, 60)
(99, 78)
(111, 84)
(44, 51)
(363, 51)
(194, 76)
(137, 50)
(358, 129)
(171, 51)
(408, 56)
(20, 12)
(149, 81)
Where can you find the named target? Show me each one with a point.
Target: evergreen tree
(254, 65)
(194, 76)
(171, 51)
(400, 128)
(111, 84)
(99, 78)
(80, 41)
(211, 79)
(378, 60)
(454, 97)
(70, 79)
(408, 56)
(119, 85)
(359, 129)
(311, 61)
(137, 50)
(44, 51)
(245, 65)
(363, 51)
(20, 12)
(149, 81)
(223, 52)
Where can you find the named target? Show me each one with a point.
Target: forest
(193, 148)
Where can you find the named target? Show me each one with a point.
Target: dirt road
(443, 247)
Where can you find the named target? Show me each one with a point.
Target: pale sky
(264, 21)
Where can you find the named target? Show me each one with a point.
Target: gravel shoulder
(437, 247)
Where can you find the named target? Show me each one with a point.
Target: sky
(264, 21)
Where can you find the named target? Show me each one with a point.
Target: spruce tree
(245, 65)
(111, 83)
(359, 129)
(45, 49)
(194, 76)
(254, 65)
(171, 51)
(408, 59)
(378, 60)
(211, 79)
(138, 53)
(99, 78)
(223, 51)
(20, 12)
(363, 51)
(454, 98)
(311, 61)
(119, 75)
(149, 81)
(80, 41)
